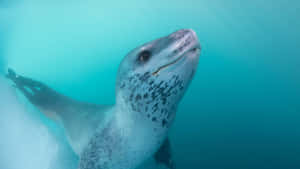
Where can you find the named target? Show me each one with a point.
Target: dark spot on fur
(146, 95)
(164, 101)
(131, 96)
(138, 97)
(164, 122)
(122, 86)
(130, 78)
(146, 108)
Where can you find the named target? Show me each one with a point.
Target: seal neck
(149, 112)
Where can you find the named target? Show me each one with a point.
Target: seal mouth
(194, 50)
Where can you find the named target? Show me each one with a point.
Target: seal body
(151, 81)
(146, 102)
(122, 143)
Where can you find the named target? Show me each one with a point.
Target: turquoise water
(242, 109)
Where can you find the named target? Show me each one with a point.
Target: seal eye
(144, 56)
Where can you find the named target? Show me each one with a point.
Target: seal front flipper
(78, 118)
(38, 93)
(164, 155)
(45, 98)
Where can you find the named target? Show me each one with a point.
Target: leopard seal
(151, 81)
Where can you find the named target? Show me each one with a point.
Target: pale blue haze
(242, 110)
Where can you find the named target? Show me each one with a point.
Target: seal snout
(184, 33)
(185, 40)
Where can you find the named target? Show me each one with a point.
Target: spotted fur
(148, 91)
(152, 98)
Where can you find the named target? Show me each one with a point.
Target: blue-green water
(242, 110)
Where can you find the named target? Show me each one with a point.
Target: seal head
(153, 78)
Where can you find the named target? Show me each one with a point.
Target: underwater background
(242, 110)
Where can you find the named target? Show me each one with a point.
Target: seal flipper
(46, 98)
(78, 118)
(164, 155)
(49, 101)
(38, 93)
